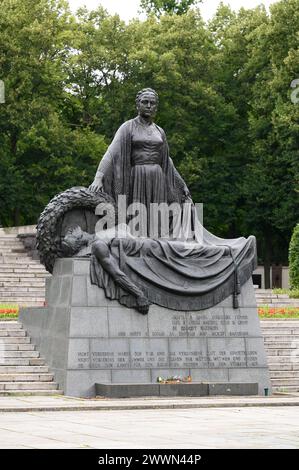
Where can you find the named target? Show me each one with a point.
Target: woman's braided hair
(146, 90)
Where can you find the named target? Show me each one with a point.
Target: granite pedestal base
(195, 389)
(88, 339)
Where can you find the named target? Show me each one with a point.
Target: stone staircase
(22, 370)
(22, 279)
(281, 339)
(267, 297)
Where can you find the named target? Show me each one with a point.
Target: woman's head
(147, 101)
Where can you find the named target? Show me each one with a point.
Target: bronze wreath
(48, 242)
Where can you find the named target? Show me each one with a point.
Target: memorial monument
(140, 289)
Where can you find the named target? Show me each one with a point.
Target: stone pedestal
(88, 339)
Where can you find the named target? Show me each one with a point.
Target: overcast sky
(128, 9)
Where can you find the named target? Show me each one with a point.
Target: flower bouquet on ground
(175, 379)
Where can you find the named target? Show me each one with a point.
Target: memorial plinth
(88, 339)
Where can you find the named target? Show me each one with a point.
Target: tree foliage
(225, 104)
(159, 7)
(294, 259)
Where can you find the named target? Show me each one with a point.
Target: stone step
(25, 267)
(280, 331)
(271, 321)
(280, 338)
(25, 377)
(11, 285)
(18, 354)
(28, 386)
(16, 347)
(29, 276)
(7, 270)
(20, 268)
(17, 250)
(270, 296)
(24, 393)
(12, 332)
(4, 247)
(14, 260)
(284, 374)
(277, 360)
(16, 361)
(10, 291)
(10, 244)
(26, 277)
(293, 304)
(285, 382)
(23, 298)
(282, 345)
(20, 369)
(15, 340)
(284, 367)
(11, 325)
(289, 388)
(30, 303)
(291, 353)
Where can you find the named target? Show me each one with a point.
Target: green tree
(41, 153)
(159, 7)
(294, 259)
(272, 177)
(235, 67)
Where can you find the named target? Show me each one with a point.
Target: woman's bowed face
(147, 105)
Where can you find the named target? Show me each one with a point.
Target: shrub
(294, 259)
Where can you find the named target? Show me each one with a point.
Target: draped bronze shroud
(169, 273)
(176, 277)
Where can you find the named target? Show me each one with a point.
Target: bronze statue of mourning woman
(171, 271)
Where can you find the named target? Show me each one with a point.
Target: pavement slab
(64, 403)
(201, 428)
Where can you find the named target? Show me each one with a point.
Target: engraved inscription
(188, 359)
(237, 324)
(149, 359)
(202, 325)
(252, 359)
(172, 325)
(82, 360)
(110, 360)
(225, 358)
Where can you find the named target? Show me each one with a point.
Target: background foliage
(294, 259)
(225, 105)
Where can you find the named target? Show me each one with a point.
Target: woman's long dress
(148, 182)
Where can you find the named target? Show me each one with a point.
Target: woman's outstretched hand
(97, 185)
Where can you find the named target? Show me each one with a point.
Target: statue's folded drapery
(177, 275)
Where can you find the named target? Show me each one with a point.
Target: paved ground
(64, 403)
(196, 423)
(254, 427)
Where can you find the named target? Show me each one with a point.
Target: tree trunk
(16, 217)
